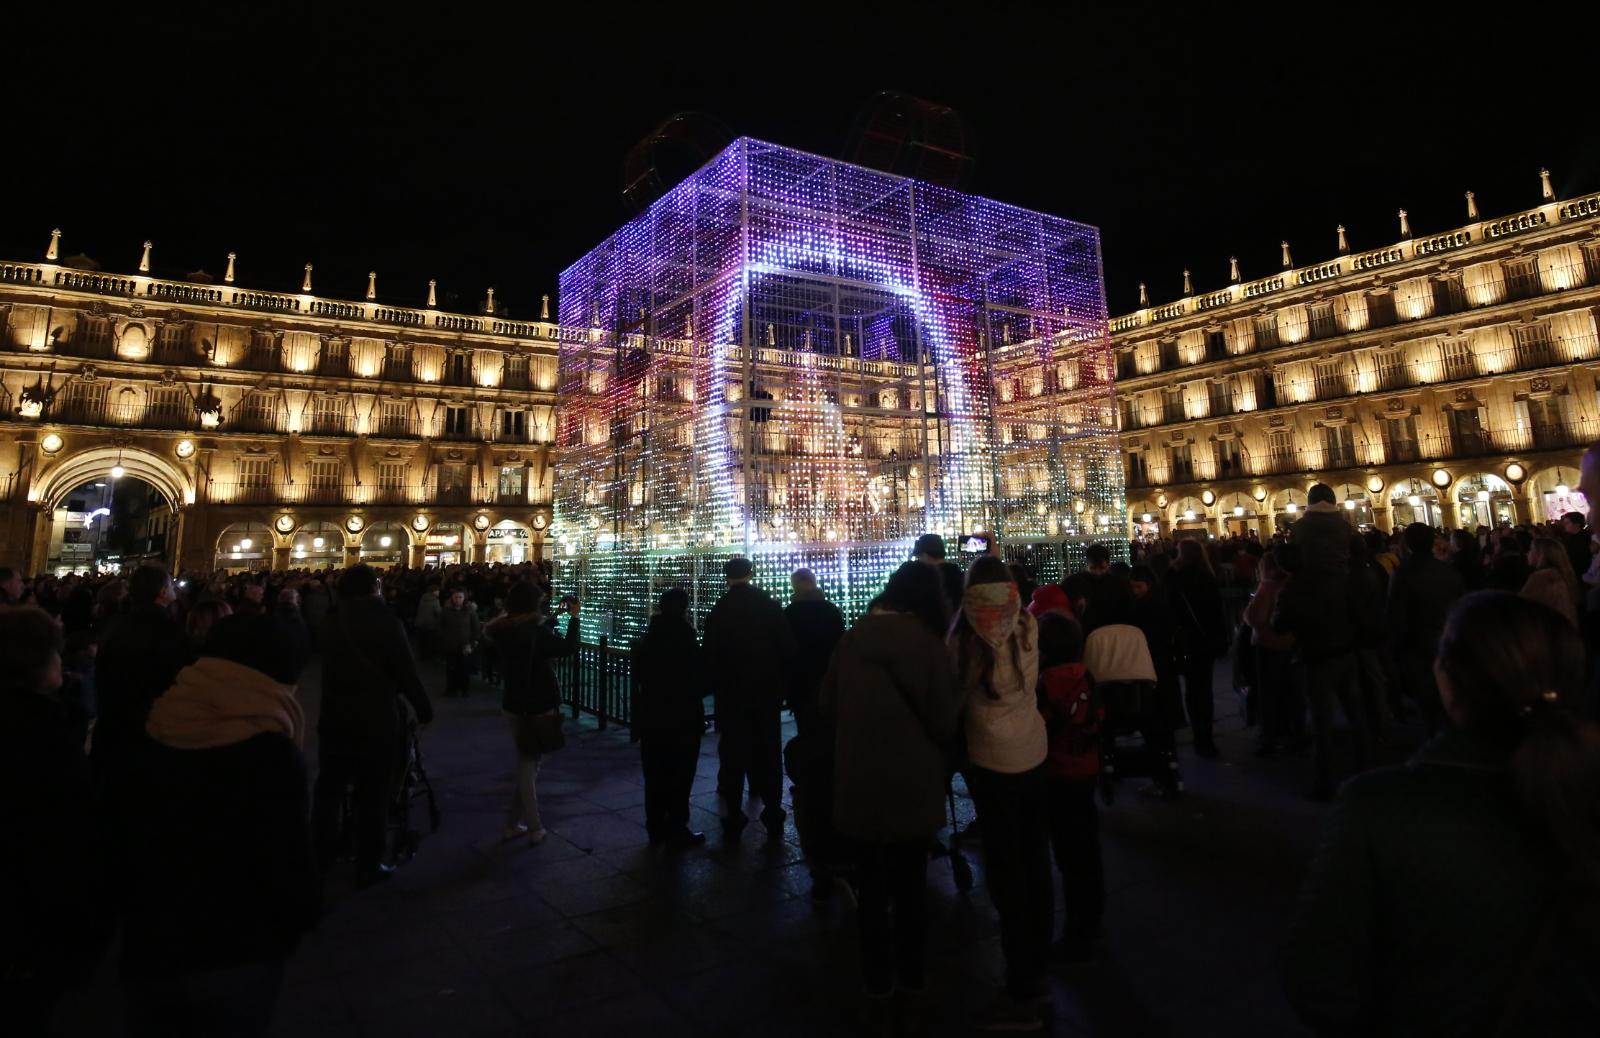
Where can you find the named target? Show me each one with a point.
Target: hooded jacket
(217, 867)
(891, 694)
(1425, 901)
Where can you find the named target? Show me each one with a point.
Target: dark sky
(490, 152)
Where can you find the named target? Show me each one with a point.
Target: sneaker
(513, 831)
(1006, 1014)
(536, 837)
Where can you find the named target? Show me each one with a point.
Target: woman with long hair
(1458, 894)
(996, 649)
(890, 693)
(527, 642)
(1552, 580)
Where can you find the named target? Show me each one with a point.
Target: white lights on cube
(810, 363)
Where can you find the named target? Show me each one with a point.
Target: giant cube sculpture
(809, 363)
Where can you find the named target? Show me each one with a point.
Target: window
(1228, 458)
(1380, 310)
(456, 421)
(325, 474)
(1534, 346)
(166, 407)
(1216, 345)
(1458, 363)
(1448, 295)
(1266, 331)
(1182, 462)
(391, 475)
(85, 401)
(1338, 447)
(395, 418)
(1331, 382)
(1389, 369)
(516, 376)
(511, 482)
(1522, 279)
(1221, 396)
(1322, 323)
(1548, 420)
(459, 369)
(327, 414)
(1138, 469)
(258, 412)
(397, 362)
(1400, 439)
(514, 426)
(1172, 404)
(1280, 450)
(255, 472)
(1466, 430)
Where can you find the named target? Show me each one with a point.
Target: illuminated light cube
(810, 363)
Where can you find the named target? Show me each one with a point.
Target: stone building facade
(281, 429)
(1448, 378)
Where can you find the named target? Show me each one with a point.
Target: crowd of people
(159, 720)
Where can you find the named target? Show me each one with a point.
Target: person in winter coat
(367, 669)
(527, 643)
(1281, 705)
(817, 625)
(1050, 598)
(141, 652)
(457, 635)
(1457, 894)
(53, 875)
(1322, 535)
(1551, 579)
(1202, 636)
(221, 879)
(749, 647)
(1421, 595)
(426, 621)
(1072, 718)
(669, 719)
(996, 650)
(890, 694)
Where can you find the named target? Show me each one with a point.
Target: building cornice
(1352, 270)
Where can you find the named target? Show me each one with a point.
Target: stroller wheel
(961, 869)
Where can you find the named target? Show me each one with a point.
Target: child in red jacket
(1073, 716)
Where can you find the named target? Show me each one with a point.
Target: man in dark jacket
(140, 655)
(1322, 534)
(749, 648)
(669, 719)
(366, 667)
(817, 625)
(1577, 538)
(1420, 596)
(1327, 606)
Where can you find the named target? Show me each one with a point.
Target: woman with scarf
(996, 651)
(220, 877)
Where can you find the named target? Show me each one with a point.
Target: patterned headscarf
(992, 611)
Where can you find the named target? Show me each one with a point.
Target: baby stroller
(1135, 739)
(403, 836)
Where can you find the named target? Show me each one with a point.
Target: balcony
(328, 425)
(397, 428)
(257, 492)
(456, 429)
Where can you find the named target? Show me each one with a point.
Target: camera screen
(977, 544)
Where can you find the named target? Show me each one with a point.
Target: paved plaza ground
(594, 933)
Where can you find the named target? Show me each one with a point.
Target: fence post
(604, 699)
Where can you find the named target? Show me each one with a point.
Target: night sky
(490, 152)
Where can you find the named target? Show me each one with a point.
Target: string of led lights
(810, 363)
